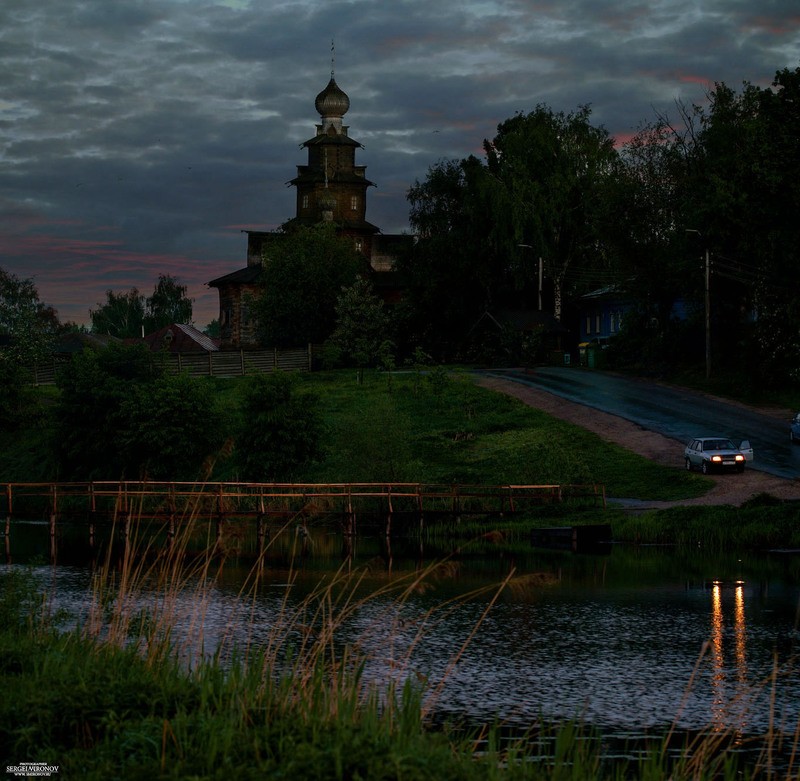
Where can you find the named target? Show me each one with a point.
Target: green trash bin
(595, 357)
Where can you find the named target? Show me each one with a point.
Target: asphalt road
(674, 412)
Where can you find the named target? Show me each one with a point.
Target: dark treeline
(723, 180)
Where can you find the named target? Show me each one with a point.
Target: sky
(141, 137)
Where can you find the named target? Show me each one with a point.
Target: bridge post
(350, 526)
(171, 510)
(7, 531)
(220, 513)
(389, 514)
(53, 510)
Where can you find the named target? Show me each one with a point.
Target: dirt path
(728, 489)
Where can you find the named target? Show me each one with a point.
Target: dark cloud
(141, 137)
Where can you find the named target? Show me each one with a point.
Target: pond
(629, 639)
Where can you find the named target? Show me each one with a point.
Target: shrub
(280, 430)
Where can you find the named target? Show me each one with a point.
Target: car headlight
(716, 458)
(740, 457)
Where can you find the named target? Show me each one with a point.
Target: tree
(304, 270)
(543, 192)
(745, 194)
(122, 315)
(551, 173)
(168, 304)
(280, 429)
(127, 314)
(451, 274)
(27, 328)
(28, 324)
(654, 261)
(171, 428)
(120, 415)
(361, 325)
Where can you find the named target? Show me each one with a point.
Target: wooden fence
(224, 363)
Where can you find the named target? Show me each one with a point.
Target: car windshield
(718, 444)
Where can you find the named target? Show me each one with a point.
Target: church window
(354, 202)
(359, 245)
(305, 201)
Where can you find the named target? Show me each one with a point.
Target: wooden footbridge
(176, 503)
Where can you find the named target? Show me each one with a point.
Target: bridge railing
(177, 499)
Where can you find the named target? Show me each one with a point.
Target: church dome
(332, 101)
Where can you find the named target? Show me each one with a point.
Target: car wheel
(688, 465)
(792, 438)
(704, 467)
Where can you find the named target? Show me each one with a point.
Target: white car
(717, 453)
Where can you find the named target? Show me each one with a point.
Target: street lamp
(707, 302)
(528, 246)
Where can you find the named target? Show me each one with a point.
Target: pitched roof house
(180, 338)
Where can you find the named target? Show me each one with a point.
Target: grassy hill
(433, 427)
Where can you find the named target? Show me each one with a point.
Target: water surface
(628, 639)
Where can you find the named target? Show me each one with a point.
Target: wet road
(674, 412)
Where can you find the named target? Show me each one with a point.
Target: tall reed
(144, 688)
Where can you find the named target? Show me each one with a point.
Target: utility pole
(541, 272)
(708, 315)
(707, 301)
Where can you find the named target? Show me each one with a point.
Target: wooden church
(331, 187)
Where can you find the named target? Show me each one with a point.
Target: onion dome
(332, 102)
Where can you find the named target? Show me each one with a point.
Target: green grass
(420, 430)
(761, 523)
(414, 427)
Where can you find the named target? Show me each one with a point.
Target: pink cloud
(773, 25)
(73, 275)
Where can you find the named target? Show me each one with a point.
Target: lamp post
(707, 303)
(528, 246)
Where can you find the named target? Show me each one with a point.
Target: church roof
(244, 276)
(330, 139)
(306, 175)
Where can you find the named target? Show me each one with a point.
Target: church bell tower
(331, 187)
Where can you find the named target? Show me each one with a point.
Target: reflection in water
(718, 700)
(613, 639)
(732, 688)
(729, 703)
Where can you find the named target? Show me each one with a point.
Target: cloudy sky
(140, 137)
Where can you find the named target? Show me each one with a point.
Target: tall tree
(304, 271)
(27, 328)
(168, 304)
(551, 172)
(452, 272)
(656, 259)
(122, 315)
(28, 324)
(362, 325)
(746, 195)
